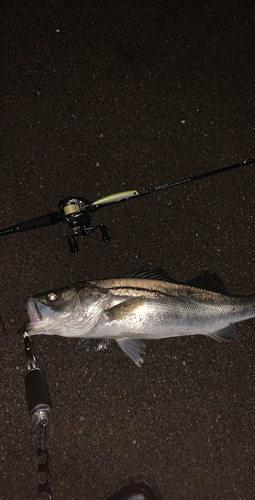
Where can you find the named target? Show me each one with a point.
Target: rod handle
(42, 221)
(38, 396)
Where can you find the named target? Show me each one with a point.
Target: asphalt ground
(97, 98)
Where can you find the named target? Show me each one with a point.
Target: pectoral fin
(125, 308)
(92, 345)
(132, 348)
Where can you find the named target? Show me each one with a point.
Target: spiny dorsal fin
(208, 281)
(147, 274)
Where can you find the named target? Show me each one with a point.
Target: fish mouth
(37, 312)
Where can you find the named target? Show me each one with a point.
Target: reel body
(76, 211)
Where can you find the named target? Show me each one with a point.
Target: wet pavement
(99, 98)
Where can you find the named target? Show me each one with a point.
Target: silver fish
(141, 305)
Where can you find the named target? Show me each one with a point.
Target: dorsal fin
(208, 281)
(147, 274)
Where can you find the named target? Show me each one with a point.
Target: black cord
(43, 468)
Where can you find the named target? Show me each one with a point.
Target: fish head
(70, 312)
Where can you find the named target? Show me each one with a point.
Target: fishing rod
(77, 210)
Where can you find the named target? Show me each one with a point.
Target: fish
(144, 304)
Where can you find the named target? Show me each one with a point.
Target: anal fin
(226, 334)
(132, 348)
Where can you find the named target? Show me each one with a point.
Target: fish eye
(52, 296)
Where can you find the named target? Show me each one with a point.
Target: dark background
(100, 97)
